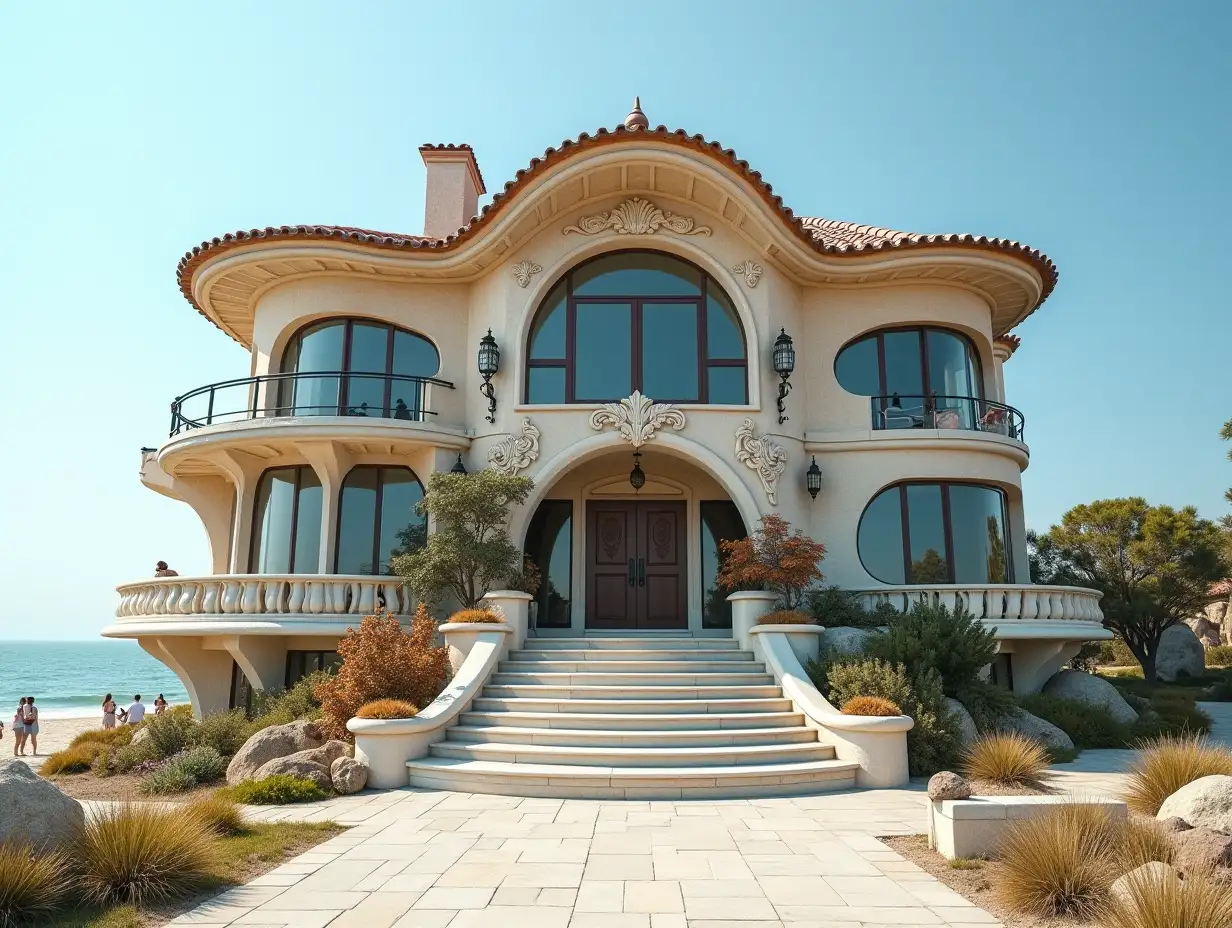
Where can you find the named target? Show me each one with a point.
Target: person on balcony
(162, 570)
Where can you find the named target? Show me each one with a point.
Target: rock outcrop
(964, 725)
(948, 785)
(1180, 654)
(1091, 690)
(1200, 850)
(1146, 876)
(1204, 803)
(269, 744)
(348, 775)
(1033, 726)
(33, 810)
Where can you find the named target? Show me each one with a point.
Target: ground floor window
(241, 690)
(302, 663)
(549, 543)
(720, 522)
(1001, 671)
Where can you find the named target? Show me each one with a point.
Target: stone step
(633, 643)
(629, 654)
(694, 666)
(565, 781)
(588, 705)
(617, 739)
(637, 722)
(619, 691)
(503, 678)
(627, 757)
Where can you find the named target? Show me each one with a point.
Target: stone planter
(515, 606)
(974, 827)
(747, 607)
(805, 640)
(460, 637)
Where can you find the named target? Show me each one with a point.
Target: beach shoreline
(55, 733)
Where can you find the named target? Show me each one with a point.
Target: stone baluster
(296, 596)
(250, 599)
(364, 602)
(272, 591)
(188, 595)
(1056, 604)
(315, 604)
(231, 594)
(209, 598)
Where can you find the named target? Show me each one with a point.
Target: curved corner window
(366, 369)
(637, 320)
(925, 533)
(378, 519)
(286, 522)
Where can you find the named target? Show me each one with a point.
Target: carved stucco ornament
(516, 452)
(637, 418)
(750, 271)
(523, 271)
(763, 455)
(636, 217)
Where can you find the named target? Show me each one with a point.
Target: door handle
(630, 571)
(641, 571)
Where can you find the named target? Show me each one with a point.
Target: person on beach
(19, 729)
(162, 570)
(109, 711)
(160, 705)
(136, 712)
(30, 717)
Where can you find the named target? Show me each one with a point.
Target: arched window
(286, 522)
(918, 378)
(377, 519)
(936, 533)
(637, 320)
(367, 369)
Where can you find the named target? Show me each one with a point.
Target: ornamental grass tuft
(1161, 900)
(386, 709)
(32, 886)
(219, 814)
(70, 760)
(1166, 764)
(787, 617)
(476, 617)
(870, 705)
(1007, 758)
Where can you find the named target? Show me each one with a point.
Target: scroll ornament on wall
(636, 216)
(516, 452)
(763, 455)
(637, 418)
(523, 271)
(750, 271)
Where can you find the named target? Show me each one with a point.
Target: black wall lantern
(784, 364)
(489, 364)
(637, 476)
(458, 467)
(812, 478)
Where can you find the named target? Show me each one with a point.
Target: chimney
(453, 188)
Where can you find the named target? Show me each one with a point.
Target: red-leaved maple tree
(773, 558)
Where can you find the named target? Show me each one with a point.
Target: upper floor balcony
(934, 411)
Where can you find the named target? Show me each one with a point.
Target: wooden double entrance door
(635, 565)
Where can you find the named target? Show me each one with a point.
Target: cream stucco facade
(826, 285)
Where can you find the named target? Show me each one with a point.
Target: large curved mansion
(652, 303)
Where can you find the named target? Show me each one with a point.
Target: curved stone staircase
(632, 718)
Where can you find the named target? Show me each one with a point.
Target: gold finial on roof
(636, 118)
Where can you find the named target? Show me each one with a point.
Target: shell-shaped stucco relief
(637, 418)
(636, 216)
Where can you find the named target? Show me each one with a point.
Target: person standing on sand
(19, 729)
(136, 712)
(160, 705)
(30, 717)
(109, 712)
(162, 570)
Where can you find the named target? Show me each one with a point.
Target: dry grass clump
(476, 617)
(787, 617)
(870, 705)
(1166, 764)
(381, 661)
(1161, 900)
(105, 737)
(32, 885)
(70, 760)
(1007, 758)
(1059, 864)
(140, 853)
(219, 814)
(386, 709)
(1140, 841)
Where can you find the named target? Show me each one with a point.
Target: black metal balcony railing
(935, 411)
(305, 393)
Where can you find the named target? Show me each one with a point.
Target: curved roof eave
(830, 237)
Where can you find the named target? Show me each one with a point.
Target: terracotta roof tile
(826, 236)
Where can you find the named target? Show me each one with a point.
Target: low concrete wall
(975, 827)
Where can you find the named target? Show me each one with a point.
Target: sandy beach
(54, 735)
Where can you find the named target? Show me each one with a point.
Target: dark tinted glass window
(549, 543)
(912, 363)
(669, 351)
(977, 522)
(926, 537)
(637, 273)
(547, 336)
(857, 368)
(727, 385)
(377, 519)
(724, 337)
(881, 538)
(545, 385)
(720, 522)
(286, 522)
(604, 351)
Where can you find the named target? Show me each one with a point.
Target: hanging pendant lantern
(637, 477)
(812, 478)
(458, 467)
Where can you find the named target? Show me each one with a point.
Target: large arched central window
(367, 369)
(637, 320)
(286, 522)
(378, 519)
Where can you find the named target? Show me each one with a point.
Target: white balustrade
(997, 601)
(263, 594)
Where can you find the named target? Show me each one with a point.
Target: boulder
(948, 785)
(348, 775)
(296, 766)
(1171, 826)
(34, 811)
(845, 639)
(1180, 654)
(1149, 874)
(1090, 689)
(1204, 803)
(323, 757)
(1033, 726)
(268, 744)
(1199, 850)
(1208, 632)
(964, 726)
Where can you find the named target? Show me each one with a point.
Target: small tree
(469, 551)
(774, 559)
(1154, 565)
(381, 661)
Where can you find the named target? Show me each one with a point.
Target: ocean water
(69, 678)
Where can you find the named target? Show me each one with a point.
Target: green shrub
(101, 765)
(32, 885)
(169, 733)
(129, 756)
(185, 771)
(1116, 653)
(987, 704)
(836, 608)
(1219, 656)
(1087, 726)
(1088, 657)
(281, 707)
(954, 644)
(276, 790)
(931, 744)
(225, 732)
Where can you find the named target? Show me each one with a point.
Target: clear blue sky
(1098, 132)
